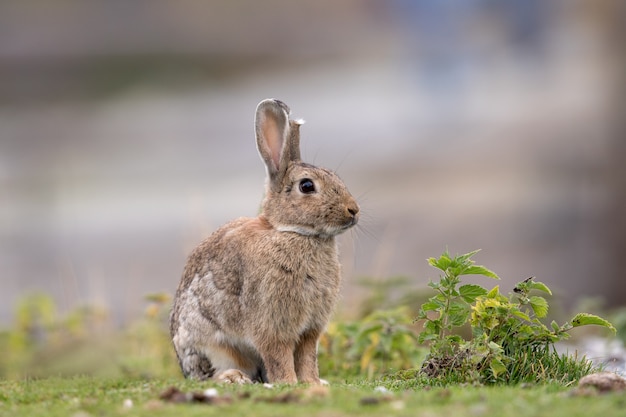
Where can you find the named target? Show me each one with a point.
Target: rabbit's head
(300, 197)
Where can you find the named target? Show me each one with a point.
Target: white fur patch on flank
(182, 338)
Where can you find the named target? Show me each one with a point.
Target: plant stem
(452, 280)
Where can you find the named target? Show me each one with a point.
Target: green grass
(130, 368)
(88, 396)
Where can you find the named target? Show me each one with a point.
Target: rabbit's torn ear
(292, 147)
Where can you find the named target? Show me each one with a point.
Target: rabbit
(256, 295)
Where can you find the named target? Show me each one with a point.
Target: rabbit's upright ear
(277, 138)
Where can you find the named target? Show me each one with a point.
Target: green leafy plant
(380, 342)
(43, 342)
(505, 329)
(452, 302)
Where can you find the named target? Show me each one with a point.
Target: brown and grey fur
(256, 295)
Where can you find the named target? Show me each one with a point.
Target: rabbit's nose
(353, 210)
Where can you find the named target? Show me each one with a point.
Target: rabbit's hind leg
(238, 364)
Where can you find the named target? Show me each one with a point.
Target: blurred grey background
(126, 136)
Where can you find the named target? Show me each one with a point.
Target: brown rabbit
(256, 295)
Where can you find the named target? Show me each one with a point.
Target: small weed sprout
(381, 342)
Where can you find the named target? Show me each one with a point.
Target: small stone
(210, 392)
(370, 401)
(208, 396)
(174, 395)
(603, 382)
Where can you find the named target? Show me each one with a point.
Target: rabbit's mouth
(335, 230)
(350, 223)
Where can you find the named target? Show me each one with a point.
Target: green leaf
(524, 331)
(520, 314)
(368, 355)
(497, 367)
(426, 337)
(539, 306)
(372, 328)
(536, 285)
(436, 285)
(454, 271)
(495, 348)
(430, 306)
(442, 263)
(495, 291)
(465, 257)
(480, 270)
(433, 262)
(454, 339)
(470, 292)
(583, 319)
(458, 314)
(555, 326)
(432, 326)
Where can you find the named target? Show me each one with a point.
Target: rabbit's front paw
(233, 376)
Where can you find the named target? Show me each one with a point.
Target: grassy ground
(130, 370)
(86, 396)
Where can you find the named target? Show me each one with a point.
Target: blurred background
(126, 137)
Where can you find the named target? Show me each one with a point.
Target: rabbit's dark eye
(307, 186)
